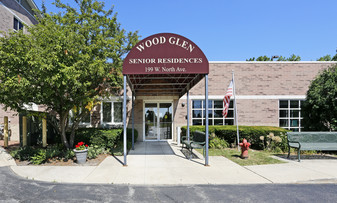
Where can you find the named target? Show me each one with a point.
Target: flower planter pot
(81, 155)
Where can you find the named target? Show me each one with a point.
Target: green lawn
(255, 157)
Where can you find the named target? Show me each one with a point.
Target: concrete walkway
(163, 163)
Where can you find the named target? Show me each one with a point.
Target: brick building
(268, 94)
(15, 15)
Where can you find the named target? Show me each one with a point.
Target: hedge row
(107, 138)
(251, 133)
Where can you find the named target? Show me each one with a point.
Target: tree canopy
(320, 107)
(328, 58)
(67, 61)
(293, 57)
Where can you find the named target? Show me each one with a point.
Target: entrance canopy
(164, 64)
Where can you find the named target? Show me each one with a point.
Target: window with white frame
(111, 112)
(18, 25)
(215, 117)
(290, 116)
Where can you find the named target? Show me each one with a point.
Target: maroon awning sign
(165, 53)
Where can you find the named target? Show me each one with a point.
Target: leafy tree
(327, 58)
(263, 58)
(293, 57)
(66, 62)
(251, 59)
(282, 58)
(334, 58)
(320, 107)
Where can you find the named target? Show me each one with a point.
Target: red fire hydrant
(244, 148)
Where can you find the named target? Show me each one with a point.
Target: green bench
(321, 141)
(197, 141)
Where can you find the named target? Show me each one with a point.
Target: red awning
(164, 64)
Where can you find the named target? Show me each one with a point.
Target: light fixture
(274, 57)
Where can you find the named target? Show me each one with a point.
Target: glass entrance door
(151, 127)
(158, 121)
(165, 121)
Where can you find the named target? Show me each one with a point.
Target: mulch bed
(54, 162)
(70, 162)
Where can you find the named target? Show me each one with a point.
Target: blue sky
(229, 30)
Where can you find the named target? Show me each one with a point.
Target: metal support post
(236, 113)
(188, 115)
(206, 119)
(124, 121)
(133, 123)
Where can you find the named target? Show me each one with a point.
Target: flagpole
(236, 113)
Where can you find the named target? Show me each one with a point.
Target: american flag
(227, 99)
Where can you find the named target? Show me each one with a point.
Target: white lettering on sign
(162, 40)
(179, 60)
(148, 43)
(184, 44)
(142, 61)
(164, 69)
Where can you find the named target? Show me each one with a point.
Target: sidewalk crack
(258, 174)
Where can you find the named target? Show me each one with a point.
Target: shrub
(94, 151)
(103, 138)
(68, 154)
(251, 133)
(100, 140)
(40, 155)
(23, 153)
(217, 143)
(39, 158)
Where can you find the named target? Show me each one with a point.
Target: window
(215, 108)
(290, 114)
(86, 120)
(17, 25)
(111, 112)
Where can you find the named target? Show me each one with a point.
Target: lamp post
(274, 57)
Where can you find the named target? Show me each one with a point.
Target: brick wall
(271, 80)
(260, 85)
(261, 78)
(9, 9)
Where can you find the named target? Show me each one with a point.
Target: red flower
(81, 146)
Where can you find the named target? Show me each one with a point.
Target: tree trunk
(72, 136)
(63, 119)
(74, 126)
